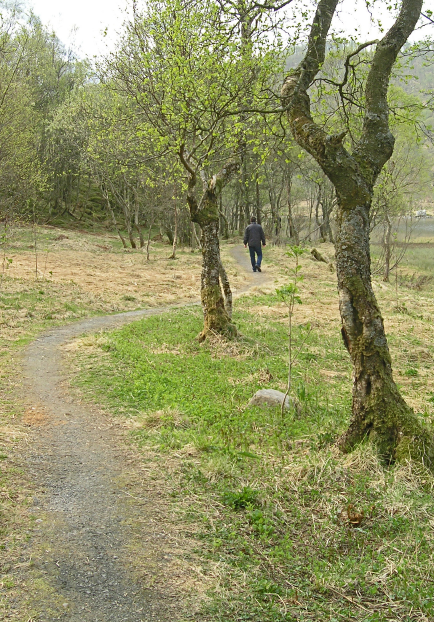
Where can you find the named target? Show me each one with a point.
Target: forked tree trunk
(216, 317)
(378, 411)
(140, 232)
(206, 214)
(130, 233)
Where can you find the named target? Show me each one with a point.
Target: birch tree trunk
(378, 410)
(216, 303)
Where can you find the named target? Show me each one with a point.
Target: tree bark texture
(224, 280)
(217, 314)
(216, 304)
(378, 411)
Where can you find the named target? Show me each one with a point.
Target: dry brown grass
(97, 267)
(408, 317)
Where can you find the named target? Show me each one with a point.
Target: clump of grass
(169, 418)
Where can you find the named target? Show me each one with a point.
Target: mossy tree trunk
(216, 295)
(378, 409)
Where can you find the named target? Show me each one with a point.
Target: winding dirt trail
(89, 526)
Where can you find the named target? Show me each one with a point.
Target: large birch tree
(379, 411)
(186, 67)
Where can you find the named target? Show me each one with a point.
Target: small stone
(269, 397)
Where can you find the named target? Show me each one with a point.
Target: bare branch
(269, 6)
(428, 17)
(376, 143)
(184, 161)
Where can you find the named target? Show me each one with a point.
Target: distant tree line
(85, 144)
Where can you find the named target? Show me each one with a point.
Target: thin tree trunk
(127, 217)
(224, 223)
(293, 233)
(105, 194)
(175, 233)
(140, 232)
(124, 244)
(148, 243)
(310, 217)
(319, 224)
(195, 237)
(258, 200)
(130, 234)
(387, 247)
(136, 218)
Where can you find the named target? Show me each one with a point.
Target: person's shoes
(258, 268)
(254, 269)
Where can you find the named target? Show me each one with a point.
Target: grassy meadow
(286, 527)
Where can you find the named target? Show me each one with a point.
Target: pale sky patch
(82, 22)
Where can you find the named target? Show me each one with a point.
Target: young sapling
(289, 295)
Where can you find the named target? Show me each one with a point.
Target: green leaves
(289, 293)
(192, 74)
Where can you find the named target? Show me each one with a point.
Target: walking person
(253, 237)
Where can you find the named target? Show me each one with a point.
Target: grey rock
(269, 397)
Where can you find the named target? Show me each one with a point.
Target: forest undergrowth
(287, 528)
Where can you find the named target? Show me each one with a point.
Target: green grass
(270, 498)
(163, 368)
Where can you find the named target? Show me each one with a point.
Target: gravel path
(86, 518)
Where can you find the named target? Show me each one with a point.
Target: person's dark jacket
(254, 235)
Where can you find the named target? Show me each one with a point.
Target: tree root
(399, 436)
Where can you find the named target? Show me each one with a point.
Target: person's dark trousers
(258, 251)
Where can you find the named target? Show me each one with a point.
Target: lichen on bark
(216, 295)
(378, 410)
